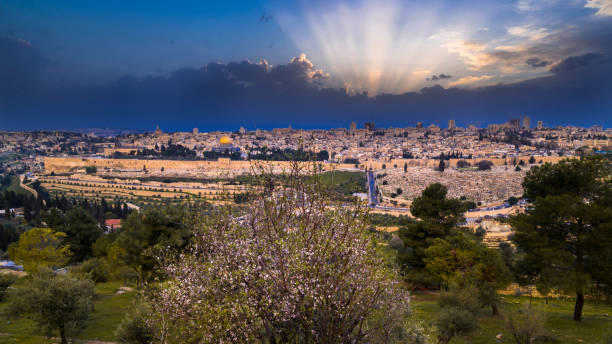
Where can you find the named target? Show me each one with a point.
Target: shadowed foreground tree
(462, 261)
(291, 268)
(567, 236)
(438, 217)
(146, 233)
(53, 301)
(81, 232)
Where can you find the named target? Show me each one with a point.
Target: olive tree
(59, 302)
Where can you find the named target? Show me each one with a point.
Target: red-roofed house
(112, 224)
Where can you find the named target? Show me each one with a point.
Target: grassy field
(109, 311)
(14, 186)
(345, 182)
(595, 328)
(6, 157)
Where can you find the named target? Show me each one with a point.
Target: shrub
(463, 164)
(134, 328)
(95, 268)
(484, 165)
(6, 280)
(452, 321)
(457, 314)
(526, 325)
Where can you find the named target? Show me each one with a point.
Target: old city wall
(71, 164)
(453, 162)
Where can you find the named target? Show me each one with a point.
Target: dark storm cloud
(575, 62)
(537, 63)
(246, 71)
(227, 96)
(20, 65)
(559, 45)
(441, 76)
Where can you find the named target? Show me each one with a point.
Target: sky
(220, 65)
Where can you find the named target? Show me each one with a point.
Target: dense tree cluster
(438, 217)
(288, 154)
(567, 234)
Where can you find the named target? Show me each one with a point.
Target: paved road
(373, 200)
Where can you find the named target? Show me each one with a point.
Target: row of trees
(288, 154)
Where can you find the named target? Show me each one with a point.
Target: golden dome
(225, 140)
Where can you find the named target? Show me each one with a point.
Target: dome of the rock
(225, 141)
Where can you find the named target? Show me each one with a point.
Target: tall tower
(526, 122)
(515, 123)
(540, 125)
(195, 131)
(353, 126)
(451, 124)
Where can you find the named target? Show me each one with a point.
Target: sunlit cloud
(373, 46)
(534, 5)
(472, 81)
(387, 46)
(603, 7)
(473, 53)
(529, 32)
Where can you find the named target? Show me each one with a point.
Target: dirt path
(27, 187)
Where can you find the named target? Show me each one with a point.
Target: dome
(225, 140)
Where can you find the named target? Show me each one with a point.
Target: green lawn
(109, 311)
(345, 182)
(595, 328)
(14, 186)
(6, 157)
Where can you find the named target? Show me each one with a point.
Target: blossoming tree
(291, 266)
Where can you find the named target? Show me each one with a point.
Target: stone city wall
(376, 165)
(180, 167)
(170, 167)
